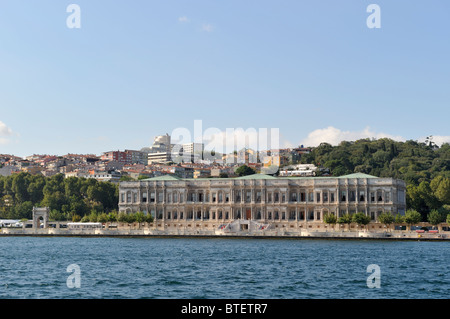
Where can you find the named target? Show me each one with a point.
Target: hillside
(425, 168)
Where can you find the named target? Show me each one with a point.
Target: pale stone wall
(194, 230)
(274, 201)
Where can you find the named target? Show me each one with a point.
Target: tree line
(66, 197)
(424, 167)
(113, 216)
(411, 217)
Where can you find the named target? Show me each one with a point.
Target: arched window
(302, 215)
(293, 197)
(379, 196)
(292, 215)
(276, 197)
(238, 196)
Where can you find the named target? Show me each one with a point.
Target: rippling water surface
(32, 267)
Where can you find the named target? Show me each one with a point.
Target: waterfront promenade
(317, 232)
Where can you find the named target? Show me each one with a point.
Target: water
(189, 268)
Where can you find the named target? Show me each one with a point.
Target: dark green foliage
(244, 170)
(361, 219)
(66, 197)
(435, 217)
(425, 169)
(411, 161)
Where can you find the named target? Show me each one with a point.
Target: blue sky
(136, 69)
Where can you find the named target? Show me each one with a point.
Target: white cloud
(437, 139)
(208, 27)
(183, 19)
(5, 133)
(4, 130)
(334, 136)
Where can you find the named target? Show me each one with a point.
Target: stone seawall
(147, 232)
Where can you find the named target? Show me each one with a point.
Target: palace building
(263, 200)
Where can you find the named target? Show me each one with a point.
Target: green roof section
(357, 175)
(256, 176)
(163, 178)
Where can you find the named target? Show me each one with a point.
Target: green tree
(399, 219)
(361, 219)
(244, 170)
(139, 217)
(443, 191)
(435, 217)
(126, 178)
(102, 218)
(149, 218)
(23, 210)
(93, 217)
(122, 217)
(345, 219)
(412, 217)
(56, 215)
(386, 218)
(131, 218)
(112, 216)
(19, 187)
(35, 189)
(330, 218)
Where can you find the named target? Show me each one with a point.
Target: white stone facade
(266, 200)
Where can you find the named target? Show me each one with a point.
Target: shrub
(361, 219)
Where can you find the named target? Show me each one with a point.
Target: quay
(318, 231)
